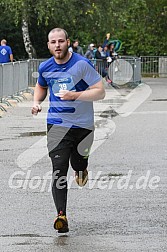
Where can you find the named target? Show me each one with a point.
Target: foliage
(140, 24)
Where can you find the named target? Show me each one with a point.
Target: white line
(150, 112)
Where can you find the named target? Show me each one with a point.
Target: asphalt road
(122, 208)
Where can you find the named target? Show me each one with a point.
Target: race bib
(63, 83)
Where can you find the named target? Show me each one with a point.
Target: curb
(24, 96)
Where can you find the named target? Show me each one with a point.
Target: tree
(139, 24)
(20, 11)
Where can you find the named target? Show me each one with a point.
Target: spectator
(111, 58)
(76, 48)
(101, 62)
(112, 53)
(90, 52)
(98, 52)
(106, 40)
(6, 54)
(105, 52)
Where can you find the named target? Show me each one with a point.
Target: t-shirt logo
(3, 51)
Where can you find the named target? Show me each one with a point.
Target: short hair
(58, 30)
(3, 41)
(75, 40)
(99, 45)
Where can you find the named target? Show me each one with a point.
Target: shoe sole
(63, 230)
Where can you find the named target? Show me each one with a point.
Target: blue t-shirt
(5, 52)
(77, 74)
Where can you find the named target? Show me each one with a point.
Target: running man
(73, 85)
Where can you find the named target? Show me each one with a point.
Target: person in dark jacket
(112, 53)
(101, 62)
(98, 52)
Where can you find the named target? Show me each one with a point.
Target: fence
(145, 66)
(154, 66)
(121, 70)
(18, 76)
(13, 80)
(33, 65)
(124, 70)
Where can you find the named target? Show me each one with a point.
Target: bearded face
(58, 45)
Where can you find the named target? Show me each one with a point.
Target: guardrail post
(162, 67)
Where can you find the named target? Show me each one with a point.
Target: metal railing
(154, 66)
(122, 70)
(13, 80)
(19, 76)
(33, 65)
(143, 66)
(129, 66)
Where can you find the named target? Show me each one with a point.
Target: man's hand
(66, 95)
(36, 109)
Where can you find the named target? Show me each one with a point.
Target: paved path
(122, 208)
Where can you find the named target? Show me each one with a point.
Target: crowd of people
(100, 51)
(105, 52)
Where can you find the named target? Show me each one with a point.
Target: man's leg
(59, 147)
(60, 163)
(80, 154)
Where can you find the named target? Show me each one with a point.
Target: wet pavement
(122, 208)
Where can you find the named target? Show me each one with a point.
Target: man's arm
(10, 54)
(11, 57)
(40, 94)
(93, 93)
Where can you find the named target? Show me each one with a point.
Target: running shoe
(61, 223)
(81, 177)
